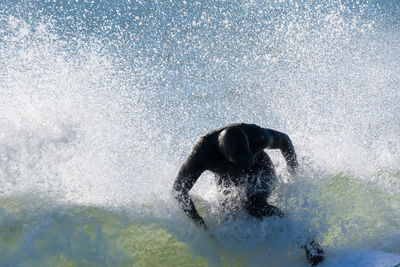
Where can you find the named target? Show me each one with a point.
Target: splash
(100, 102)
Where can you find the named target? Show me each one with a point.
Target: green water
(39, 232)
(356, 212)
(87, 236)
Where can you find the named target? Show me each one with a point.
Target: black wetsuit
(254, 180)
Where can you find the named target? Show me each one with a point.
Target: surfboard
(360, 257)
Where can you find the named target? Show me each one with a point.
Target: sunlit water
(101, 101)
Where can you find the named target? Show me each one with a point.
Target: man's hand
(206, 230)
(200, 222)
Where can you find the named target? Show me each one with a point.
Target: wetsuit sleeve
(187, 177)
(278, 140)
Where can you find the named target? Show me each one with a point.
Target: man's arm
(187, 177)
(277, 140)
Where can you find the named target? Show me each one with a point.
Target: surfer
(244, 172)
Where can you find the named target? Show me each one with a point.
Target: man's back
(207, 155)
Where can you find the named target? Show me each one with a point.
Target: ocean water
(101, 101)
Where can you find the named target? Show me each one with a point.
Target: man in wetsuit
(235, 154)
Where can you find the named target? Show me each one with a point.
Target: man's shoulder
(207, 145)
(207, 141)
(203, 152)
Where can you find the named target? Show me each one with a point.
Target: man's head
(234, 145)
